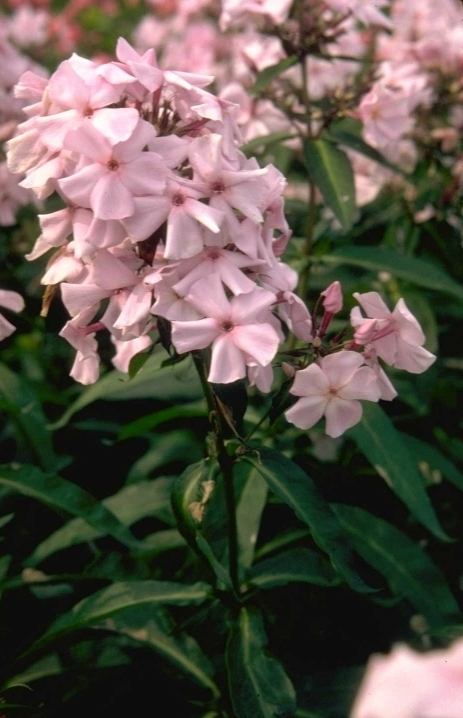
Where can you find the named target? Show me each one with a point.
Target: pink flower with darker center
(332, 389)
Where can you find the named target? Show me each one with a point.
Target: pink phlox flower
(227, 188)
(28, 26)
(76, 331)
(15, 303)
(172, 305)
(12, 196)
(236, 329)
(221, 262)
(233, 10)
(296, 316)
(332, 389)
(397, 336)
(408, 684)
(387, 390)
(112, 175)
(126, 350)
(91, 233)
(222, 115)
(64, 266)
(179, 205)
(143, 67)
(72, 101)
(386, 116)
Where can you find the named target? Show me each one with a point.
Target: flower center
(227, 326)
(113, 165)
(178, 200)
(218, 187)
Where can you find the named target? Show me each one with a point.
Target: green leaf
(433, 459)
(250, 506)
(182, 650)
(152, 381)
(292, 485)
(259, 687)
(408, 570)
(162, 541)
(47, 666)
(63, 495)
(258, 143)
(347, 132)
(331, 171)
(271, 73)
(149, 422)
(5, 562)
(130, 504)
(20, 401)
(410, 269)
(123, 595)
(297, 565)
(384, 447)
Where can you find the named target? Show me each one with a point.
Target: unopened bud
(288, 369)
(332, 302)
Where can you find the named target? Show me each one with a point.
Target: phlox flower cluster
(13, 64)
(163, 215)
(344, 373)
(169, 233)
(400, 43)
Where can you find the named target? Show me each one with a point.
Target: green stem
(226, 466)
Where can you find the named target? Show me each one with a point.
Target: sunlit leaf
(259, 687)
(381, 443)
(408, 570)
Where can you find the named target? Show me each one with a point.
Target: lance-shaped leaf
(20, 401)
(348, 132)
(292, 485)
(123, 595)
(259, 687)
(410, 269)
(408, 570)
(251, 504)
(152, 629)
(271, 73)
(58, 493)
(330, 170)
(297, 565)
(130, 504)
(384, 447)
